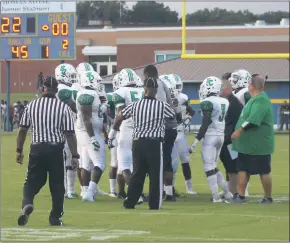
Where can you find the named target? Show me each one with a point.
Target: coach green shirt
(260, 139)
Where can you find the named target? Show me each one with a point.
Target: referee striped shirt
(148, 116)
(49, 118)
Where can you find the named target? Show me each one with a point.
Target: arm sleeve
(257, 113)
(168, 111)
(127, 112)
(68, 121)
(25, 119)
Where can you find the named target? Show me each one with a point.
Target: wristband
(112, 134)
(19, 150)
(77, 156)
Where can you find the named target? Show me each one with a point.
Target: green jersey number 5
(223, 112)
(134, 96)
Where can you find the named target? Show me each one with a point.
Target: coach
(51, 122)
(227, 156)
(148, 116)
(164, 95)
(254, 141)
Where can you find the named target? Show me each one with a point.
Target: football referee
(149, 116)
(51, 122)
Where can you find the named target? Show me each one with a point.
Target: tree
(113, 11)
(219, 16)
(273, 17)
(151, 12)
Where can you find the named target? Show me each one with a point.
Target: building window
(103, 70)
(165, 57)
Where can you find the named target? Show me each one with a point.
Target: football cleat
(140, 201)
(88, 197)
(71, 195)
(191, 192)
(24, 216)
(101, 193)
(113, 194)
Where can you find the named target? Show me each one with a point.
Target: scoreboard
(38, 36)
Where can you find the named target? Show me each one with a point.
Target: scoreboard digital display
(38, 36)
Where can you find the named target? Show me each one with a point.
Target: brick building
(110, 50)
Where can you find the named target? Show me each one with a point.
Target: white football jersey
(243, 96)
(125, 96)
(87, 97)
(218, 108)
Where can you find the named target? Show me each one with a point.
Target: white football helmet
(115, 82)
(90, 79)
(177, 79)
(127, 77)
(66, 73)
(240, 78)
(84, 67)
(170, 83)
(211, 85)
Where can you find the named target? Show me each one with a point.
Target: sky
(255, 7)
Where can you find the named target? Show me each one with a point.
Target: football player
(214, 109)
(90, 127)
(239, 80)
(124, 96)
(65, 74)
(181, 143)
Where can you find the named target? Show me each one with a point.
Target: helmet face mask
(115, 82)
(66, 73)
(240, 79)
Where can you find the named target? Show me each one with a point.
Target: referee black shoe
(55, 222)
(24, 216)
(169, 198)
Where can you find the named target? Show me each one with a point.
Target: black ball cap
(151, 83)
(50, 82)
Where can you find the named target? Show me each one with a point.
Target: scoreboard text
(38, 36)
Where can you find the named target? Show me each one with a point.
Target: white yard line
(167, 214)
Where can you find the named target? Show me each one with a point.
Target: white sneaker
(218, 200)
(113, 194)
(191, 192)
(140, 201)
(228, 195)
(89, 197)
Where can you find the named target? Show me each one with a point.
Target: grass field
(192, 218)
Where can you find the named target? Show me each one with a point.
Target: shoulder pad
(206, 106)
(86, 99)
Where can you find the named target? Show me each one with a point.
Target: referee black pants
(147, 158)
(169, 139)
(45, 159)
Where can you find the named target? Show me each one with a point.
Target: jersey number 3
(223, 111)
